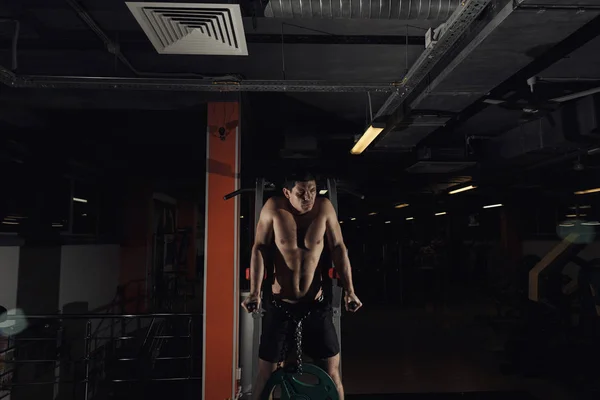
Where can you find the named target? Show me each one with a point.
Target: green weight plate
(294, 389)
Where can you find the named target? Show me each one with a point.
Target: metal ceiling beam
(457, 26)
(578, 39)
(199, 85)
(431, 69)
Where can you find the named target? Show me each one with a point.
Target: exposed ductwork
(444, 77)
(575, 126)
(362, 9)
(215, 84)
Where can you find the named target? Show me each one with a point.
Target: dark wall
(39, 279)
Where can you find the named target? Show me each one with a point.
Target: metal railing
(62, 354)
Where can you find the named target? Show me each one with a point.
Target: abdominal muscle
(296, 277)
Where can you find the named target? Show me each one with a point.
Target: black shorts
(319, 339)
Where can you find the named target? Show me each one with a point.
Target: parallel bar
(189, 85)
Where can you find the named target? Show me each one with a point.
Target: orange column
(221, 287)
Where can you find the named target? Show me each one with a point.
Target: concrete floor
(419, 350)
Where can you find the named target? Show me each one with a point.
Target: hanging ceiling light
(588, 191)
(463, 189)
(374, 130)
(367, 138)
(493, 205)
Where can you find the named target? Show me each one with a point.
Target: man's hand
(251, 303)
(352, 302)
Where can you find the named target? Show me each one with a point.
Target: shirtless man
(291, 233)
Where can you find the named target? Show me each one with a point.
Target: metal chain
(298, 325)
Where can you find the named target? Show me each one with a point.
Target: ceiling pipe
(577, 95)
(187, 85)
(362, 9)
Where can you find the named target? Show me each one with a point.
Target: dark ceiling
(458, 111)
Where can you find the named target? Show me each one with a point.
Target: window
(85, 207)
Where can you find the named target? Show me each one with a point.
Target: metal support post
(191, 346)
(336, 290)
(88, 344)
(257, 317)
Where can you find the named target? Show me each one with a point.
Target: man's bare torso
(299, 241)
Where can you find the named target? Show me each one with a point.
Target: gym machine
(251, 324)
(559, 322)
(544, 278)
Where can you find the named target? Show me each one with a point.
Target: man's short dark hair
(298, 176)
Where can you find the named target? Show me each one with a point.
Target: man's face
(302, 196)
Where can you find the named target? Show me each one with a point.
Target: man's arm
(339, 252)
(262, 242)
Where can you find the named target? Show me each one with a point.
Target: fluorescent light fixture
(566, 225)
(463, 189)
(440, 213)
(14, 217)
(9, 223)
(580, 207)
(79, 200)
(493, 101)
(341, 222)
(402, 205)
(591, 223)
(367, 138)
(57, 225)
(410, 218)
(575, 215)
(588, 191)
(493, 206)
(373, 213)
(85, 215)
(323, 191)
(352, 219)
(388, 222)
(241, 217)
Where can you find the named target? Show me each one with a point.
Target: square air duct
(188, 28)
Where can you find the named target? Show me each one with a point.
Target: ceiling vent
(187, 28)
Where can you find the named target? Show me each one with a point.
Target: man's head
(301, 190)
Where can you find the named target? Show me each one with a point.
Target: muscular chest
(303, 232)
